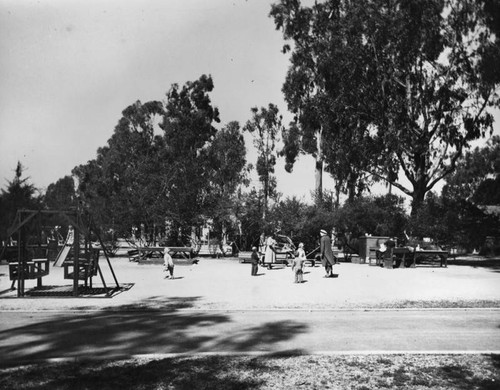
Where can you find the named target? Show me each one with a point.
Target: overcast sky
(69, 67)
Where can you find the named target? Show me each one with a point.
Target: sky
(69, 67)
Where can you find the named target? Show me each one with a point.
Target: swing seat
(87, 267)
(33, 269)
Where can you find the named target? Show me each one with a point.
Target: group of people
(326, 255)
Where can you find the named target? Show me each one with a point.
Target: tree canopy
(477, 176)
(122, 185)
(226, 160)
(20, 194)
(158, 163)
(188, 126)
(265, 126)
(61, 195)
(390, 86)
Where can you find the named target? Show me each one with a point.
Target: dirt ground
(226, 284)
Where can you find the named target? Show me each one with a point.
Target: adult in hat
(326, 253)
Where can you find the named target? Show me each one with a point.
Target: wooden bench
(87, 267)
(245, 257)
(133, 255)
(281, 258)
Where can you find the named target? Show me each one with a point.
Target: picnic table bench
(405, 255)
(245, 257)
(431, 255)
(185, 252)
(136, 254)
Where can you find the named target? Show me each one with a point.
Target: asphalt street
(44, 335)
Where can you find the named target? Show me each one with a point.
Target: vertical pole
(40, 235)
(39, 249)
(76, 255)
(20, 264)
(93, 228)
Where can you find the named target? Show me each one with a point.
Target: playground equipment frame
(74, 218)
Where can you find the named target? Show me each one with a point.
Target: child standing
(255, 261)
(298, 264)
(168, 264)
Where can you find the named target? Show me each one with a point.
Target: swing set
(78, 256)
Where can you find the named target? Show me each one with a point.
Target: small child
(255, 261)
(298, 264)
(168, 264)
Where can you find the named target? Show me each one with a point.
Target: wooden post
(76, 259)
(20, 264)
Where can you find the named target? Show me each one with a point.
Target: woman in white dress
(270, 255)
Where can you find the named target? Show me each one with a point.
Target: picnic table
(157, 251)
(408, 255)
(430, 255)
(185, 252)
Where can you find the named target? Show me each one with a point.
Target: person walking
(168, 264)
(327, 258)
(255, 261)
(298, 264)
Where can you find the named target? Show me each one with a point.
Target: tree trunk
(420, 182)
(266, 189)
(337, 194)
(418, 196)
(319, 165)
(351, 187)
(224, 232)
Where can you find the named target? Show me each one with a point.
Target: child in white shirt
(298, 264)
(168, 264)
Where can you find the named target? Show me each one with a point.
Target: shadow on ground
(132, 330)
(270, 372)
(491, 264)
(177, 373)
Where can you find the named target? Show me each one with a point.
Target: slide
(63, 253)
(61, 256)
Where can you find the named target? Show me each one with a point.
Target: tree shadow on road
(136, 330)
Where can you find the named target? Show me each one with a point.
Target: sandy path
(226, 284)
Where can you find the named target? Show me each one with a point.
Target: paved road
(40, 335)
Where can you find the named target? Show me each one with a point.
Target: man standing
(327, 258)
(255, 261)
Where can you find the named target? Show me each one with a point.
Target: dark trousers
(255, 267)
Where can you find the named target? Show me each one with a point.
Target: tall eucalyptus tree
(398, 86)
(265, 126)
